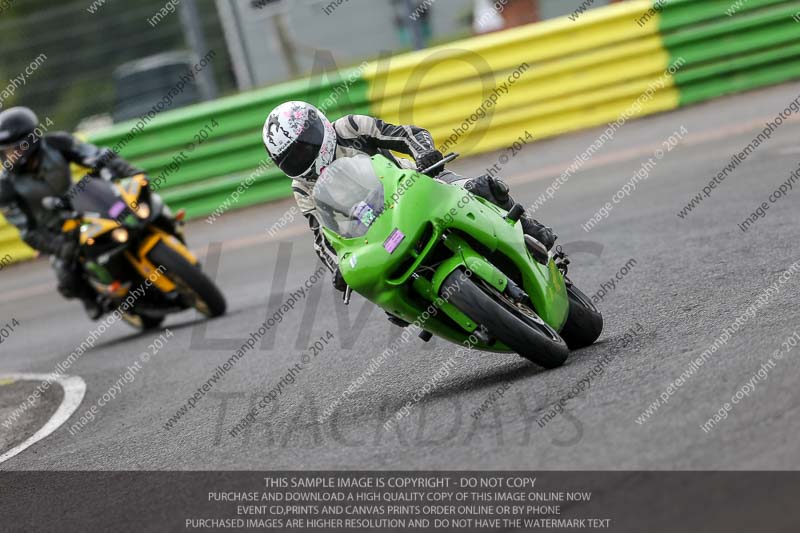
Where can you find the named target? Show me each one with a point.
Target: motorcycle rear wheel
(584, 322)
(515, 325)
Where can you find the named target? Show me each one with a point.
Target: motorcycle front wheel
(142, 322)
(191, 281)
(514, 324)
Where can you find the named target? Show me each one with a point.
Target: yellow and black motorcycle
(133, 252)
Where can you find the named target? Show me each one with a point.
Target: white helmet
(300, 140)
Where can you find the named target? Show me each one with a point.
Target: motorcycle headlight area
(142, 211)
(120, 235)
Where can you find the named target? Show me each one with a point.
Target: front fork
(147, 269)
(546, 302)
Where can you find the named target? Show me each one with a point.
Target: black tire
(584, 322)
(189, 278)
(143, 322)
(152, 322)
(529, 337)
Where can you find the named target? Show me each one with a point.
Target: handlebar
(446, 159)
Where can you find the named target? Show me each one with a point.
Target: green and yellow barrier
(575, 76)
(12, 249)
(476, 95)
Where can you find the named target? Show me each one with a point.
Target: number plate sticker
(393, 241)
(116, 209)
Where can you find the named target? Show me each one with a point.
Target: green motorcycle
(418, 247)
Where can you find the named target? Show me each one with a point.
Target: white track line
(74, 390)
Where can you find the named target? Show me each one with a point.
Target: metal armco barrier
(476, 95)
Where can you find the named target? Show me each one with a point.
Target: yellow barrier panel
(506, 129)
(11, 245)
(542, 93)
(546, 79)
(498, 52)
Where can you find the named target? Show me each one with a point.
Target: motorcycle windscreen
(349, 196)
(92, 195)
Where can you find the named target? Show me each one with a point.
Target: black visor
(14, 156)
(303, 152)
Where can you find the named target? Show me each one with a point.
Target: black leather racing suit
(48, 174)
(361, 134)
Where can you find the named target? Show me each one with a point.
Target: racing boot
(91, 301)
(92, 307)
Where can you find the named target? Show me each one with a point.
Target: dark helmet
(18, 142)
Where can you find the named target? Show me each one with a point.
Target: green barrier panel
(173, 129)
(211, 200)
(198, 176)
(737, 43)
(737, 64)
(747, 80)
(221, 158)
(168, 147)
(676, 14)
(771, 19)
(728, 54)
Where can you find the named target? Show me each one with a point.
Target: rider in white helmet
(301, 141)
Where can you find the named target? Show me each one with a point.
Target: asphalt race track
(690, 279)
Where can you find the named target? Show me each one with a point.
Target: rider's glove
(338, 281)
(429, 159)
(543, 234)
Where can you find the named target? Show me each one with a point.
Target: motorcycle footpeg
(482, 334)
(399, 322)
(537, 250)
(561, 260)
